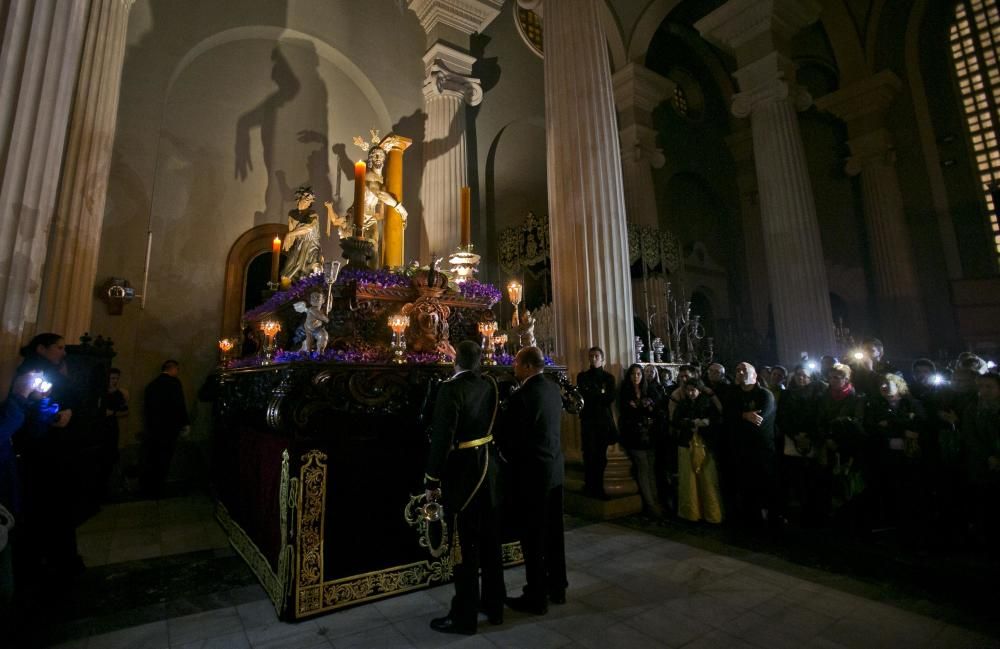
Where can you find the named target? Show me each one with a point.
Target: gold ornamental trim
(273, 583)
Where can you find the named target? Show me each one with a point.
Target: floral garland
(296, 291)
(476, 290)
(362, 355)
(380, 277)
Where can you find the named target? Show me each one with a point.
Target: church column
(592, 292)
(448, 88)
(39, 59)
(754, 31)
(71, 268)
(741, 144)
(862, 106)
(637, 91)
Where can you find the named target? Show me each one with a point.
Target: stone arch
(613, 33)
(247, 247)
(278, 34)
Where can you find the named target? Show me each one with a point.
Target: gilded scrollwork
(312, 508)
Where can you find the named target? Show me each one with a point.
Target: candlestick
(466, 217)
(487, 329)
(398, 324)
(514, 292)
(275, 259)
(359, 197)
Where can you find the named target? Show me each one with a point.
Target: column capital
(862, 104)
(749, 29)
(449, 73)
(639, 143)
(768, 80)
(638, 90)
(466, 16)
(873, 148)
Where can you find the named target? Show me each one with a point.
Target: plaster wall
(225, 108)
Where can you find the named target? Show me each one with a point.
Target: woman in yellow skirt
(696, 424)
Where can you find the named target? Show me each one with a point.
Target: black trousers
(479, 539)
(158, 451)
(543, 545)
(595, 456)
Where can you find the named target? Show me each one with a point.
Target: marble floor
(628, 588)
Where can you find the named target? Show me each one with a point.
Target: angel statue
(315, 323)
(303, 239)
(377, 196)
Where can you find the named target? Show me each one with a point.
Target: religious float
(320, 432)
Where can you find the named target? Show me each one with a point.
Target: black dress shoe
(447, 624)
(524, 605)
(558, 598)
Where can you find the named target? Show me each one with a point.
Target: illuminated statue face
(376, 159)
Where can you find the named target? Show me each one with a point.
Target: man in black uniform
(165, 418)
(598, 424)
(463, 472)
(531, 443)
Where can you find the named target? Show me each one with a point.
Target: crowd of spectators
(854, 444)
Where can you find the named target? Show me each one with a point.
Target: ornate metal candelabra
(464, 263)
(658, 347)
(225, 346)
(398, 323)
(515, 292)
(270, 329)
(686, 330)
(638, 349)
(487, 329)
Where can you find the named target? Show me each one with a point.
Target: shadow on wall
(295, 65)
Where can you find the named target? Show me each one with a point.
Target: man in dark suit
(598, 424)
(532, 447)
(166, 418)
(463, 473)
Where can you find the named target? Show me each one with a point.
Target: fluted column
(71, 265)
(638, 91)
(862, 106)
(39, 59)
(592, 293)
(800, 294)
(741, 144)
(448, 89)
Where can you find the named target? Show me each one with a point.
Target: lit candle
(466, 217)
(359, 197)
(275, 259)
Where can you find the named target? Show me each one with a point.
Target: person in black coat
(598, 430)
(463, 473)
(750, 413)
(165, 418)
(532, 447)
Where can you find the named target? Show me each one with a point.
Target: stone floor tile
(671, 628)
(235, 640)
(421, 636)
(718, 640)
(282, 635)
(618, 602)
(146, 636)
(202, 626)
(383, 637)
(352, 620)
(519, 631)
(257, 614)
(407, 606)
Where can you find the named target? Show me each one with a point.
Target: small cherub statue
(526, 330)
(315, 323)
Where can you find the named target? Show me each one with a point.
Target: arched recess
(847, 47)
(278, 34)
(614, 35)
(250, 244)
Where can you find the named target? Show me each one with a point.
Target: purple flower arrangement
(381, 277)
(297, 291)
(476, 290)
